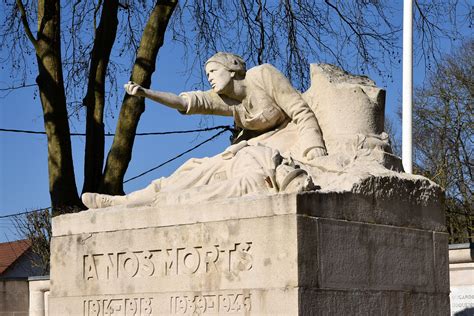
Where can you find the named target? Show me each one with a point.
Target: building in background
(16, 265)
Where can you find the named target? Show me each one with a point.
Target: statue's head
(230, 61)
(222, 69)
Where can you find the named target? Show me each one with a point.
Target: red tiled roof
(11, 251)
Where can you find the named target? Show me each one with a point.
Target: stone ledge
(130, 217)
(366, 207)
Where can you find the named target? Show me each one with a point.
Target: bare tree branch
(24, 20)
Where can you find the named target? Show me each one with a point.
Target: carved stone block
(308, 254)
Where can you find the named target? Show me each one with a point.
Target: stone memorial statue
(306, 213)
(281, 147)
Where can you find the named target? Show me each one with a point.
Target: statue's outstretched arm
(169, 99)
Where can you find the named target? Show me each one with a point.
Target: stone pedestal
(308, 254)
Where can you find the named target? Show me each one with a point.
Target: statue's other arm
(169, 99)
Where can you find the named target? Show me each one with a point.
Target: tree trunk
(62, 184)
(132, 107)
(95, 97)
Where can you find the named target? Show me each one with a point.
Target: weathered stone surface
(441, 263)
(350, 251)
(355, 302)
(13, 297)
(225, 302)
(389, 200)
(232, 254)
(345, 104)
(350, 112)
(119, 218)
(39, 293)
(271, 255)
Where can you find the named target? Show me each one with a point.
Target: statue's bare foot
(95, 200)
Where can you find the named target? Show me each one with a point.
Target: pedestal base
(308, 254)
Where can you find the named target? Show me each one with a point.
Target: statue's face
(219, 77)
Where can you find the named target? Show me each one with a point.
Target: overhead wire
(225, 127)
(24, 213)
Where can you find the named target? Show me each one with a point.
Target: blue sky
(23, 157)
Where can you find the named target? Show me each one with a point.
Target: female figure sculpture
(278, 128)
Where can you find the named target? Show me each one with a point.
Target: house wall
(14, 297)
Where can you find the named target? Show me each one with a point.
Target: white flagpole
(407, 97)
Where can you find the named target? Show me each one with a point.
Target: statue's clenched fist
(133, 88)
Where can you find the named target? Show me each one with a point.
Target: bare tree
(47, 46)
(359, 36)
(36, 228)
(132, 107)
(443, 138)
(86, 57)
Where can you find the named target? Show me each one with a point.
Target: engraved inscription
(167, 262)
(130, 306)
(210, 304)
